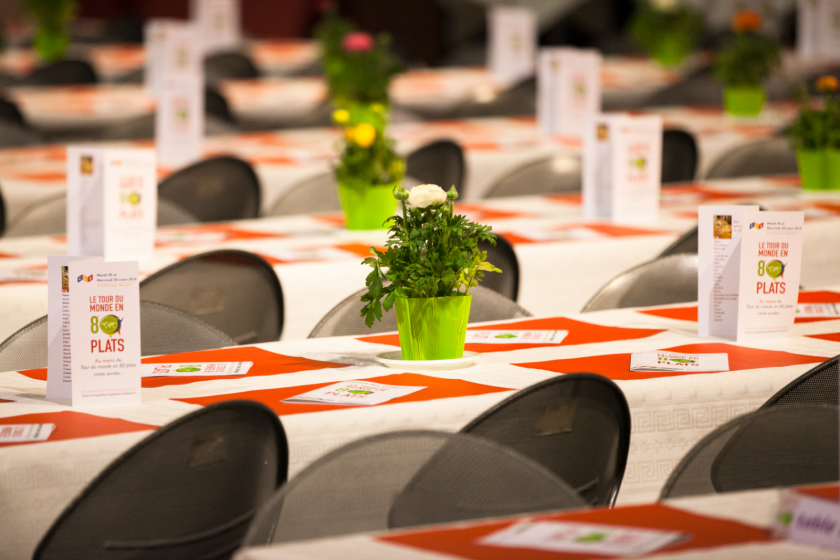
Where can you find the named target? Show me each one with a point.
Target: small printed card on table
(515, 337)
(808, 519)
(196, 369)
(219, 24)
(172, 49)
(676, 361)
(512, 34)
(813, 310)
(622, 161)
(568, 90)
(23, 433)
(356, 393)
(582, 538)
(179, 121)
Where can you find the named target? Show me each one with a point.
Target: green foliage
(817, 129)
(431, 252)
(51, 39)
(680, 28)
(746, 60)
(364, 163)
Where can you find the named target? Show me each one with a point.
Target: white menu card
(568, 90)
(173, 49)
(512, 33)
(179, 121)
(818, 29)
(111, 202)
(218, 22)
(356, 393)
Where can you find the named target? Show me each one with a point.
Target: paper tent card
(568, 90)
(818, 29)
(512, 34)
(218, 22)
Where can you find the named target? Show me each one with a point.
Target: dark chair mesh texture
(701, 88)
(214, 190)
(10, 113)
(679, 156)
(189, 490)
(403, 479)
(686, 243)
(235, 291)
(61, 73)
(663, 281)
(503, 257)
(216, 105)
(13, 135)
(778, 446)
(439, 163)
(519, 100)
(345, 318)
(315, 194)
(817, 386)
(553, 175)
(768, 156)
(575, 425)
(163, 330)
(229, 66)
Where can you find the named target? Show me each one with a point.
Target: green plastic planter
(671, 50)
(744, 101)
(433, 328)
(832, 170)
(367, 208)
(812, 169)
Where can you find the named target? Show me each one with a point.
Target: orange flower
(827, 83)
(746, 21)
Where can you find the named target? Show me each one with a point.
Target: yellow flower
(341, 116)
(746, 21)
(364, 135)
(827, 83)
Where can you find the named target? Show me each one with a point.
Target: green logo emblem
(680, 361)
(775, 269)
(358, 392)
(110, 325)
(505, 335)
(593, 537)
(187, 369)
(785, 517)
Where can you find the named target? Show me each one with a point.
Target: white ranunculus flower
(423, 196)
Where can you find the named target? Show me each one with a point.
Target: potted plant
(432, 261)
(667, 30)
(743, 64)
(816, 136)
(51, 39)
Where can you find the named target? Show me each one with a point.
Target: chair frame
(783, 392)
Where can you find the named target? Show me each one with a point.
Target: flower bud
(452, 193)
(400, 193)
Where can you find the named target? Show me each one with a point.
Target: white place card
(582, 538)
(219, 24)
(677, 361)
(11, 275)
(111, 202)
(196, 369)
(173, 49)
(179, 121)
(818, 310)
(622, 168)
(359, 393)
(23, 433)
(512, 33)
(771, 266)
(808, 520)
(818, 29)
(568, 90)
(516, 337)
(719, 269)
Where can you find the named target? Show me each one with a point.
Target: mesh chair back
(768, 156)
(519, 100)
(189, 490)
(679, 156)
(163, 330)
(439, 163)
(214, 190)
(61, 73)
(216, 105)
(316, 194)
(671, 279)
(10, 113)
(699, 89)
(229, 66)
(235, 291)
(169, 214)
(817, 386)
(777, 446)
(403, 479)
(554, 175)
(575, 425)
(686, 243)
(502, 256)
(13, 135)
(345, 318)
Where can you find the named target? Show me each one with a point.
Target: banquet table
(728, 526)
(670, 411)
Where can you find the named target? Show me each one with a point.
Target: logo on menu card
(83, 278)
(756, 226)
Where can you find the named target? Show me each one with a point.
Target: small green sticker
(785, 517)
(681, 361)
(505, 335)
(358, 392)
(593, 537)
(187, 369)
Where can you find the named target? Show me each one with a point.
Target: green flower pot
(744, 101)
(432, 328)
(671, 50)
(812, 169)
(832, 170)
(367, 207)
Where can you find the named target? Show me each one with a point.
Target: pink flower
(357, 42)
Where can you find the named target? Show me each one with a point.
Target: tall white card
(179, 122)
(104, 333)
(568, 90)
(806, 28)
(622, 172)
(818, 29)
(719, 269)
(111, 202)
(219, 24)
(173, 49)
(512, 34)
(771, 265)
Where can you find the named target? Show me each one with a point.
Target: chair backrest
(189, 490)
(679, 156)
(61, 73)
(229, 66)
(576, 425)
(216, 105)
(768, 156)
(700, 88)
(816, 386)
(10, 113)
(685, 243)
(214, 190)
(312, 195)
(13, 135)
(552, 175)
(438, 163)
(163, 330)
(235, 291)
(345, 318)
(403, 479)
(519, 100)
(502, 256)
(777, 446)
(671, 279)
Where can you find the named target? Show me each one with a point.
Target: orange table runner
(74, 425)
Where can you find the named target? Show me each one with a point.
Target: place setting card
(676, 361)
(195, 369)
(515, 336)
(353, 393)
(511, 52)
(24, 433)
(568, 90)
(818, 310)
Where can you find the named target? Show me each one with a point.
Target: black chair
(229, 66)
(214, 190)
(14, 135)
(216, 105)
(189, 490)
(551, 175)
(671, 279)
(163, 330)
(502, 256)
(438, 163)
(235, 291)
(576, 425)
(2, 213)
(817, 386)
(10, 113)
(777, 446)
(61, 73)
(404, 479)
(701, 88)
(768, 156)
(518, 100)
(679, 156)
(345, 318)
(685, 243)
(313, 195)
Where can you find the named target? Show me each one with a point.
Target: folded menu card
(22, 433)
(515, 337)
(196, 369)
(675, 361)
(361, 393)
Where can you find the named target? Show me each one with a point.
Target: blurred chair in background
(550, 175)
(816, 386)
(679, 156)
(14, 130)
(229, 66)
(686, 243)
(438, 163)
(313, 195)
(502, 256)
(518, 100)
(699, 88)
(768, 156)
(61, 73)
